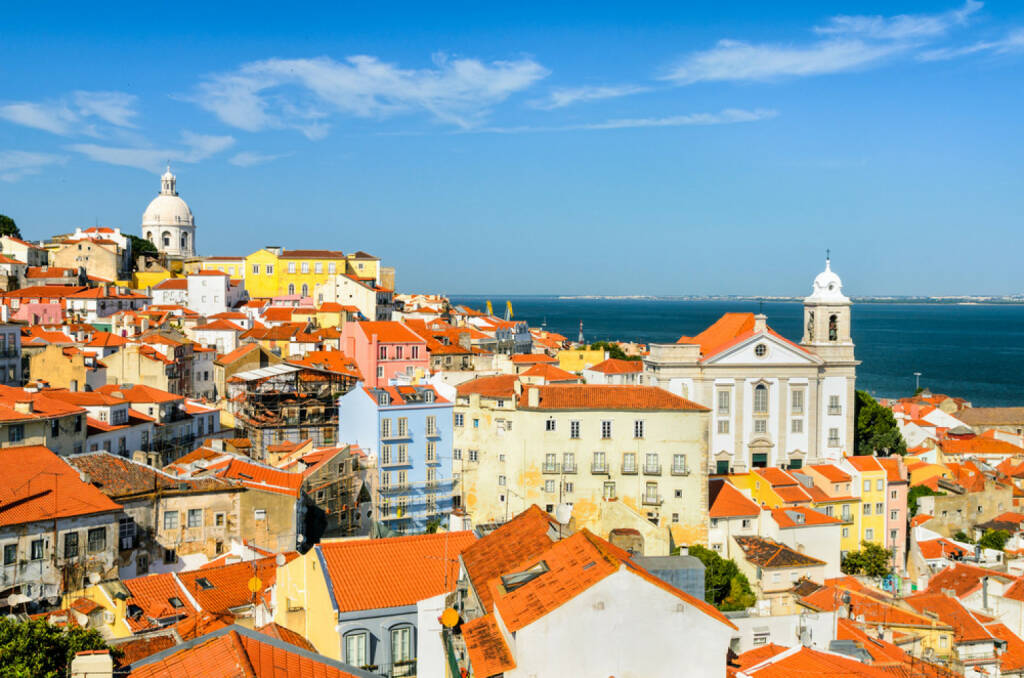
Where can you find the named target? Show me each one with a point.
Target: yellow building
(578, 359)
(835, 496)
(869, 485)
(273, 271)
(233, 266)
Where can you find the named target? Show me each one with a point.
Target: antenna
(828, 254)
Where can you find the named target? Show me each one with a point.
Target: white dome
(167, 210)
(828, 287)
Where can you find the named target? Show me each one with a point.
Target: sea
(974, 351)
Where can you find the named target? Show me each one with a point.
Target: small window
(36, 549)
(549, 425)
(723, 402)
(195, 517)
(175, 602)
(259, 514)
(501, 481)
(796, 426)
(606, 429)
(723, 426)
(638, 428)
(760, 350)
(70, 544)
(869, 534)
(574, 429)
(218, 519)
(760, 399)
(170, 520)
(204, 583)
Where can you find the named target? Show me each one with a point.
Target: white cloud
(901, 26)
(728, 116)
(734, 60)
(78, 117)
(847, 43)
(302, 93)
(55, 118)
(16, 164)
(1013, 42)
(250, 158)
(194, 148)
(117, 108)
(560, 98)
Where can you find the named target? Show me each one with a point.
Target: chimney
(92, 664)
(533, 397)
(984, 593)
(23, 406)
(760, 322)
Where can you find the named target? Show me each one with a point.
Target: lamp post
(917, 382)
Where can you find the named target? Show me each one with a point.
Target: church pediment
(764, 348)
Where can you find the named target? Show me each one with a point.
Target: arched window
(760, 399)
(291, 289)
(401, 644)
(149, 237)
(357, 648)
(183, 241)
(305, 290)
(833, 328)
(167, 238)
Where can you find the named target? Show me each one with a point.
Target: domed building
(168, 222)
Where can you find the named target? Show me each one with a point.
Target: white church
(168, 222)
(773, 402)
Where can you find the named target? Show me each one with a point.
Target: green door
(722, 467)
(760, 460)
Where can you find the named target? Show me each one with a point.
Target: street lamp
(917, 382)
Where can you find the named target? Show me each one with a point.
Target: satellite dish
(94, 578)
(563, 513)
(280, 560)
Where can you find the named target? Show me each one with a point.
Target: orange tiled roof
(962, 579)
(550, 373)
(226, 587)
(875, 611)
(803, 661)
(1012, 658)
(966, 626)
(979, 445)
(496, 386)
(388, 331)
(140, 393)
(532, 358)
(728, 502)
(938, 548)
(864, 463)
(606, 397)
(159, 597)
(488, 652)
(38, 485)
(368, 574)
(796, 516)
(616, 366)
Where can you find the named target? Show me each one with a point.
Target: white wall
(430, 662)
(784, 630)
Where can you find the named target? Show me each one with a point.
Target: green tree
(725, 586)
(920, 491)
(8, 227)
(962, 536)
(872, 561)
(876, 429)
(38, 649)
(994, 539)
(142, 246)
(614, 350)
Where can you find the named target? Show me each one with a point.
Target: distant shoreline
(943, 301)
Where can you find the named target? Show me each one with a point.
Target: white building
(208, 292)
(168, 222)
(774, 402)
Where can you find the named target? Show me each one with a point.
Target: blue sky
(540, 148)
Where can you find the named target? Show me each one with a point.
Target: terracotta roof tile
(616, 366)
(728, 502)
(832, 473)
(489, 654)
(797, 516)
(765, 553)
(963, 578)
(606, 397)
(497, 386)
(550, 373)
(966, 626)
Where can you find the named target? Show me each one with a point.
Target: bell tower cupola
(827, 317)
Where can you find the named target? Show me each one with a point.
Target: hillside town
(225, 465)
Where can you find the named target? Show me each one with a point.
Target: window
(15, 433)
(867, 485)
(869, 534)
(403, 427)
(332, 268)
(457, 453)
(431, 451)
(259, 514)
(414, 352)
(880, 509)
(70, 544)
(549, 485)
(796, 426)
(880, 484)
(846, 513)
(608, 491)
(501, 481)
(170, 556)
(305, 267)
(761, 399)
(568, 462)
(629, 462)
(606, 429)
(218, 519)
(797, 402)
(550, 463)
(651, 493)
(476, 423)
(760, 426)
(403, 454)
(549, 425)
(382, 352)
(638, 428)
(473, 455)
(723, 426)
(652, 464)
(291, 289)
(97, 539)
(599, 464)
(385, 428)
(501, 458)
(401, 644)
(678, 463)
(170, 520)
(568, 487)
(126, 533)
(431, 425)
(574, 429)
(893, 496)
(943, 642)
(318, 267)
(36, 549)
(195, 517)
(867, 509)
(256, 269)
(846, 532)
(894, 515)
(355, 649)
(723, 402)
(459, 419)
(385, 479)
(833, 405)
(830, 510)
(399, 352)
(385, 454)
(833, 437)
(760, 350)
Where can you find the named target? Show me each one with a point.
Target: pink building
(896, 488)
(383, 349)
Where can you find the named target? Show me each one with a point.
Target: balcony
(652, 469)
(599, 467)
(569, 467)
(396, 462)
(550, 467)
(395, 435)
(629, 469)
(652, 500)
(680, 470)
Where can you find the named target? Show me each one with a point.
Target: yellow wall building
(273, 271)
(869, 484)
(577, 360)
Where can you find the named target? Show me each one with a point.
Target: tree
(876, 429)
(614, 350)
(142, 246)
(920, 491)
(8, 227)
(872, 561)
(962, 536)
(725, 586)
(41, 650)
(994, 539)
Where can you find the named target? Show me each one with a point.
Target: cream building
(168, 222)
(585, 446)
(774, 402)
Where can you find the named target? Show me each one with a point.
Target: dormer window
(175, 602)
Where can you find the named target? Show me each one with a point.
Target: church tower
(168, 222)
(827, 318)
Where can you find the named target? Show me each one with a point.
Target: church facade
(774, 402)
(168, 222)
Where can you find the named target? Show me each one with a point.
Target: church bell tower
(827, 318)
